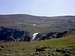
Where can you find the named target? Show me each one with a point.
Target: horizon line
(35, 15)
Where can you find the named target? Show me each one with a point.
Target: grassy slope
(25, 48)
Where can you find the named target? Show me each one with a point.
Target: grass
(28, 48)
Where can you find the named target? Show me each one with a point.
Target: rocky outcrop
(10, 34)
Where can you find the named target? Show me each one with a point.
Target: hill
(37, 23)
(53, 47)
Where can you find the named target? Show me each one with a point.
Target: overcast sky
(38, 7)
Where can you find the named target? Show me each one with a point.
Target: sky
(38, 7)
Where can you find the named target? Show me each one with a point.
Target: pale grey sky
(38, 7)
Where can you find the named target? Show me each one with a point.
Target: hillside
(66, 44)
(37, 23)
(15, 25)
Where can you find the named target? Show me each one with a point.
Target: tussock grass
(28, 48)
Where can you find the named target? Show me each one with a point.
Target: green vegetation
(29, 48)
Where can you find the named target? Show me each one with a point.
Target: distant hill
(37, 23)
